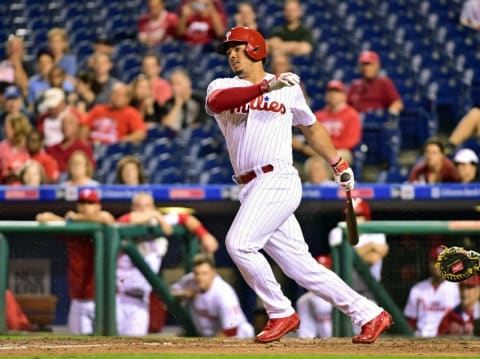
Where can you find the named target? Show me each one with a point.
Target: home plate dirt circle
(453, 346)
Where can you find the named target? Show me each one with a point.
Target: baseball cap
(335, 85)
(88, 195)
(11, 92)
(434, 252)
(466, 155)
(52, 98)
(368, 56)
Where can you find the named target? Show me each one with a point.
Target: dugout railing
(108, 241)
(345, 260)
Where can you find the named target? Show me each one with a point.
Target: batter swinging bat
(351, 218)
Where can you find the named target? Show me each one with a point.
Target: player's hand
(343, 174)
(209, 243)
(280, 81)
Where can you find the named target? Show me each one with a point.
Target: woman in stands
(33, 174)
(130, 171)
(58, 44)
(143, 100)
(80, 171)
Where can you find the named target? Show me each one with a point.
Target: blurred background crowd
(121, 85)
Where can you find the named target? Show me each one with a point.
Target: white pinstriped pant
(266, 220)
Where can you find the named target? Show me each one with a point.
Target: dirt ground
(462, 347)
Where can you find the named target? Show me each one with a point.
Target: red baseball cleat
(277, 328)
(372, 330)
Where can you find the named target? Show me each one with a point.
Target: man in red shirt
(158, 25)
(80, 252)
(115, 122)
(201, 21)
(372, 91)
(341, 121)
(71, 143)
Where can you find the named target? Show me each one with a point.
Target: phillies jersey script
(260, 132)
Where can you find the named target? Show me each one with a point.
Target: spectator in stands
(33, 174)
(102, 44)
(13, 104)
(373, 91)
(186, 107)
(144, 101)
(50, 121)
(280, 63)
(71, 142)
(130, 171)
(314, 312)
(102, 66)
(292, 38)
(13, 149)
(213, 303)
(317, 171)
(466, 162)
(38, 153)
(157, 25)
(15, 69)
(430, 299)
(39, 82)
(470, 15)
(86, 90)
(60, 47)
(201, 21)
(435, 167)
(80, 171)
(161, 88)
(115, 122)
(246, 16)
(80, 253)
(341, 121)
(133, 290)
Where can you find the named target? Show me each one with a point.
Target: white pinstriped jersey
(260, 132)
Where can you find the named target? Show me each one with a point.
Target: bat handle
(344, 178)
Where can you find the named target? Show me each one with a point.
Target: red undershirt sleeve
(226, 99)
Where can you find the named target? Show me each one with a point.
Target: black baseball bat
(351, 218)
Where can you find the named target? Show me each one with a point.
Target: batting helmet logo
(256, 47)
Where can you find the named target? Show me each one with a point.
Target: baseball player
(213, 303)
(255, 111)
(80, 252)
(133, 290)
(460, 320)
(430, 299)
(314, 312)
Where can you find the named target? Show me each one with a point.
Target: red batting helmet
(256, 46)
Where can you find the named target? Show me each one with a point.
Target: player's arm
(371, 253)
(147, 217)
(224, 99)
(102, 217)
(45, 217)
(208, 242)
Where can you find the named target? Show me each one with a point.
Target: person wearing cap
(466, 161)
(80, 253)
(13, 103)
(341, 121)
(315, 313)
(158, 25)
(373, 91)
(460, 320)
(430, 299)
(435, 167)
(293, 37)
(49, 122)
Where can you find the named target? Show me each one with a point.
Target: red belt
(247, 177)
